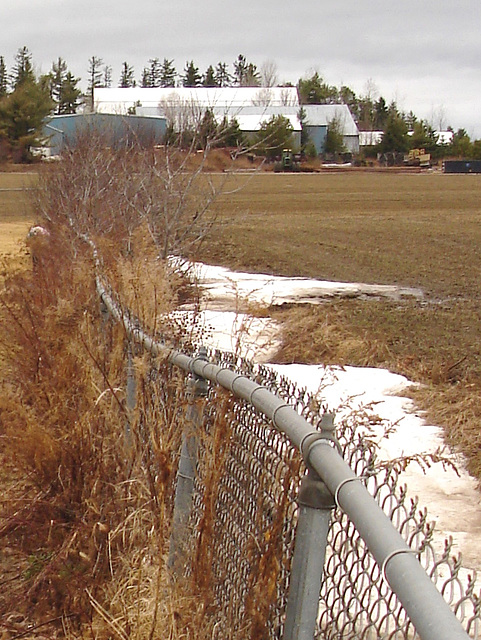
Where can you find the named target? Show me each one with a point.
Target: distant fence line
(305, 518)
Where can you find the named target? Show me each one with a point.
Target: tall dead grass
(94, 521)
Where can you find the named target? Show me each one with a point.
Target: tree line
(25, 100)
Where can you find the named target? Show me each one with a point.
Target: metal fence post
(315, 506)
(180, 536)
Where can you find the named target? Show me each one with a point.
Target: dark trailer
(462, 166)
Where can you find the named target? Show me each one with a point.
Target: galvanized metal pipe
(186, 474)
(315, 506)
(426, 608)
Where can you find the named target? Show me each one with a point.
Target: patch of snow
(239, 333)
(224, 287)
(452, 500)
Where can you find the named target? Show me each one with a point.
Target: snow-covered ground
(452, 501)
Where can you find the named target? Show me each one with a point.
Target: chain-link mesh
(245, 513)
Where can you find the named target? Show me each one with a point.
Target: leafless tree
(112, 190)
(269, 74)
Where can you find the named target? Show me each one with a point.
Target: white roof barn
(250, 106)
(227, 99)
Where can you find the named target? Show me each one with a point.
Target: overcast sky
(425, 54)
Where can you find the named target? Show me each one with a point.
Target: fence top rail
(428, 611)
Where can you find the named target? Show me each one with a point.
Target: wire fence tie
(343, 483)
(397, 552)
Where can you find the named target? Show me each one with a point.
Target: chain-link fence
(244, 512)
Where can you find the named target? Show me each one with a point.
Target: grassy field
(419, 230)
(65, 521)
(15, 211)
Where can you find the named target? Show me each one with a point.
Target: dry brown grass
(420, 230)
(87, 512)
(89, 526)
(91, 551)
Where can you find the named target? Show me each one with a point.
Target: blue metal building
(62, 130)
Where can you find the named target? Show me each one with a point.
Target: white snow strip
(224, 286)
(454, 502)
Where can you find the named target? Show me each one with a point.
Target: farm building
(227, 100)
(317, 118)
(250, 106)
(370, 138)
(185, 106)
(64, 129)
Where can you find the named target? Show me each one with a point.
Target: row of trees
(25, 101)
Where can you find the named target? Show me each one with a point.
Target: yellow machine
(417, 158)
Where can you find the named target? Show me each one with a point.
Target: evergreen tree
(209, 77)
(22, 114)
(461, 145)
(411, 120)
(127, 76)
(245, 73)
(57, 77)
(191, 77)
(95, 78)
(222, 76)
(424, 137)
(230, 133)
(348, 96)
(107, 76)
(70, 95)
(155, 73)
(334, 141)
(3, 78)
(240, 69)
(314, 90)
(381, 114)
(145, 81)
(274, 136)
(208, 130)
(23, 68)
(395, 136)
(168, 73)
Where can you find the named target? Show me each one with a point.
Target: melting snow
(451, 500)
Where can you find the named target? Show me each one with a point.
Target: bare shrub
(164, 190)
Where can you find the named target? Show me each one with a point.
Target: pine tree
(274, 136)
(167, 73)
(70, 95)
(23, 68)
(107, 76)
(3, 78)
(145, 81)
(57, 76)
(230, 134)
(95, 78)
(222, 76)
(155, 72)
(395, 135)
(22, 115)
(191, 77)
(246, 73)
(240, 69)
(208, 130)
(209, 77)
(127, 76)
